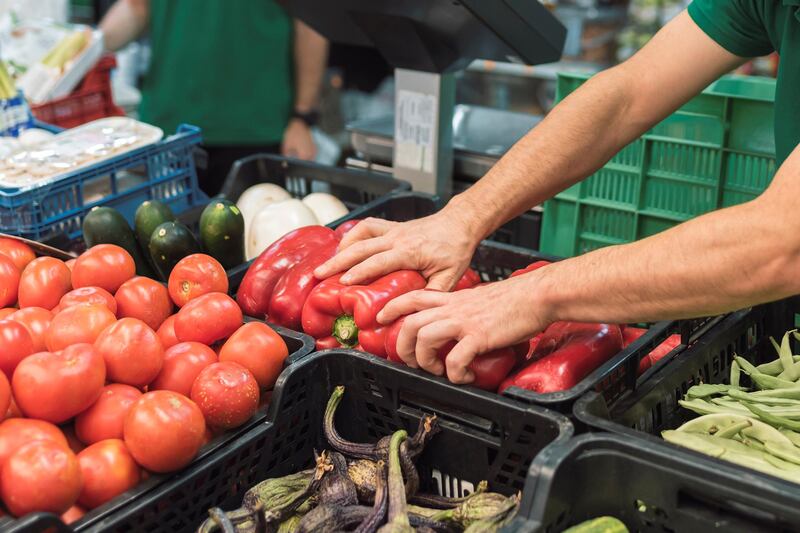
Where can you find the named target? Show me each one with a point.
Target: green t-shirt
(751, 28)
(223, 66)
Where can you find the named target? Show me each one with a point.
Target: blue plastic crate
(162, 171)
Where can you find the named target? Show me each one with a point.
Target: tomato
(166, 333)
(9, 281)
(37, 320)
(73, 514)
(207, 319)
(40, 476)
(73, 441)
(132, 352)
(105, 265)
(70, 265)
(164, 431)
(16, 432)
(89, 295)
(145, 299)
(7, 311)
(196, 275)
(5, 394)
(226, 393)
(57, 386)
(107, 470)
(13, 410)
(81, 323)
(43, 282)
(19, 252)
(182, 363)
(259, 349)
(103, 420)
(15, 345)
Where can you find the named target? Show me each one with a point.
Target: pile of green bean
(757, 428)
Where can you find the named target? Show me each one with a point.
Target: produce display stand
(162, 171)
(495, 261)
(652, 488)
(483, 437)
(641, 415)
(91, 100)
(115, 511)
(717, 150)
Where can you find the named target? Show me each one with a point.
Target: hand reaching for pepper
(480, 319)
(439, 246)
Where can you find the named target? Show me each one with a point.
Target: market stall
(171, 361)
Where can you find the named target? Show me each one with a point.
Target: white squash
(254, 198)
(274, 221)
(326, 207)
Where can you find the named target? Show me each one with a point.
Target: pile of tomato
(102, 381)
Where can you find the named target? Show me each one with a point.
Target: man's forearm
(124, 22)
(310, 56)
(592, 124)
(722, 261)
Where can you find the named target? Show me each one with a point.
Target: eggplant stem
(397, 490)
(351, 449)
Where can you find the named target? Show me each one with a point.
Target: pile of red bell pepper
(280, 285)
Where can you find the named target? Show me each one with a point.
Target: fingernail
(437, 369)
(346, 279)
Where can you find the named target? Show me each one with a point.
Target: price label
(414, 130)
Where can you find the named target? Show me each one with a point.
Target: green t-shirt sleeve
(736, 25)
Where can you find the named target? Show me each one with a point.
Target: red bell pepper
(489, 369)
(566, 353)
(469, 279)
(342, 315)
(278, 281)
(344, 227)
(658, 353)
(530, 268)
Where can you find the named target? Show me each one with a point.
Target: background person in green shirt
(729, 259)
(241, 70)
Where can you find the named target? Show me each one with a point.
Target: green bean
(775, 344)
(693, 442)
(702, 407)
(761, 398)
(792, 374)
(713, 422)
(785, 354)
(733, 429)
(707, 389)
(789, 392)
(773, 420)
(753, 443)
(796, 335)
(737, 407)
(787, 453)
(736, 372)
(791, 435)
(773, 368)
(783, 465)
(764, 381)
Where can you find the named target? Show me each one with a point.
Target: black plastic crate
(496, 261)
(299, 345)
(483, 437)
(353, 187)
(651, 488)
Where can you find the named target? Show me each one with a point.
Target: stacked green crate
(716, 151)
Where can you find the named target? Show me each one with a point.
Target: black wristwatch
(311, 118)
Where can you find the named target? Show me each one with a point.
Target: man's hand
(439, 246)
(481, 319)
(298, 141)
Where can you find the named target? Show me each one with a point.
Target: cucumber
(106, 225)
(169, 243)
(148, 217)
(604, 524)
(222, 232)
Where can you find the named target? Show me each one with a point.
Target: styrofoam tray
(74, 149)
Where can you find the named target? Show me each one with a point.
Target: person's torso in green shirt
(223, 66)
(751, 28)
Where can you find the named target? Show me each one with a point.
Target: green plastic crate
(716, 151)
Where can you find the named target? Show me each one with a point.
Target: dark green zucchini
(106, 225)
(169, 243)
(222, 232)
(148, 217)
